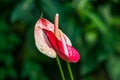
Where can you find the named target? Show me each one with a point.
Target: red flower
(50, 40)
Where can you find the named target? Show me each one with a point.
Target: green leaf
(113, 67)
(3, 26)
(2, 74)
(105, 10)
(97, 21)
(3, 42)
(87, 67)
(11, 72)
(50, 7)
(91, 38)
(33, 71)
(82, 4)
(7, 59)
(22, 11)
(92, 59)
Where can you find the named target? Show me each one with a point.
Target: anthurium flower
(51, 41)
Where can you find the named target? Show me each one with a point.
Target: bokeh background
(92, 25)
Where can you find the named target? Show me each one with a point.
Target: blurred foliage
(92, 25)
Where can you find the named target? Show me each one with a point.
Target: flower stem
(41, 15)
(60, 68)
(70, 71)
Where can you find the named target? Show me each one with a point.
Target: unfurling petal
(73, 55)
(41, 40)
(43, 43)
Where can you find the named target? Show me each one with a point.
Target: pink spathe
(51, 44)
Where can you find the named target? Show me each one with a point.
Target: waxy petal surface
(41, 40)
(43, 43)
(47, 25)
(73, 55)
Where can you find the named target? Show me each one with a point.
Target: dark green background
(92, 25)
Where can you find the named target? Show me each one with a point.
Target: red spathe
(50, 45)
(73, 55)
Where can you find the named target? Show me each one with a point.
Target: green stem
(60, 68)
(41, 15)
(70, 71)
